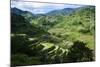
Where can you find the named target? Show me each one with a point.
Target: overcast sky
(39, 8)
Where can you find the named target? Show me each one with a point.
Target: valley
(60, 36)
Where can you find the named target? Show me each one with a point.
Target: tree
(79, 52)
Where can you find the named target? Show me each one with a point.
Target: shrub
(79, 52)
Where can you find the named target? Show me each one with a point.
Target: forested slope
(53, 38)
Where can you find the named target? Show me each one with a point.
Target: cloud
(39, 7)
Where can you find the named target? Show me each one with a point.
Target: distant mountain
(16, 10)
(19, 11)
(28, 15)
(60, 18)
(65, 11)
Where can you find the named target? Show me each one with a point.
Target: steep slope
(80, 25)
(51, 39)
(20, 25)
(28, 15)
(82, 17)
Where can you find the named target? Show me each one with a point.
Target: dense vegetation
(61, 36)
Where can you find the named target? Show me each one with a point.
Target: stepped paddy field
(61, 35)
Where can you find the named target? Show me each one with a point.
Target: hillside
(60, 36)
(28, 15)
(80, 24)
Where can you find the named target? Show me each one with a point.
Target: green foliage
(56, 37)
(79, 53)
(22, 60)
(20, 44)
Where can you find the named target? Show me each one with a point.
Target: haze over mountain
(62, 11)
